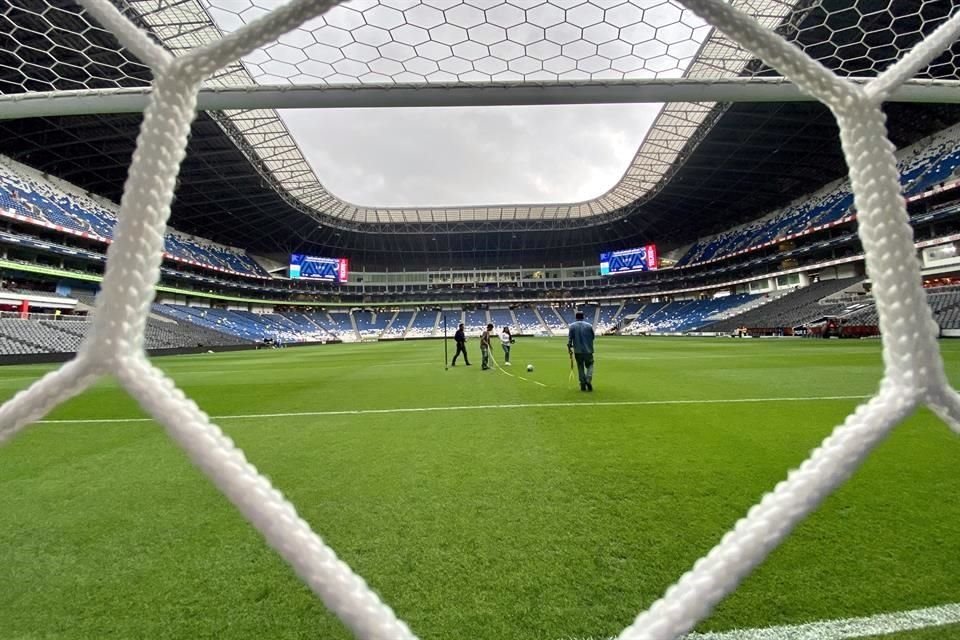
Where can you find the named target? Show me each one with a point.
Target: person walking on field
(506, 339)
(461, 339)
(485, 347)
(580, 344)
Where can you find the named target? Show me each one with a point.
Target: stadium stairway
(546, 328)
(322, 322)
(68, 328)
(501, 318)
(297, 327)
(398, 325)
(568, 314)
(380, 322)
(627, 314)
(422, 324)
(301, 323)
(388, 325)
(619, 312)
(342, 326)
(607, 316)
(407, 323)
(413, 319)
(556, 314)
(648, 321)
(637, 322)
(475, 322)
(552, 319)
(528, 321)
(353, 323)
(371, 324)
(513, 320)
(754, 303)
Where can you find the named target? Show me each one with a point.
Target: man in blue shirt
(580, 344)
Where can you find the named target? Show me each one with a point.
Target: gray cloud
(470, 156)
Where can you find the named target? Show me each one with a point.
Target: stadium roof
(245, 182)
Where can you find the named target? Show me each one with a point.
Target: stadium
(232, 407)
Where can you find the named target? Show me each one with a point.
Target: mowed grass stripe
(527, 522)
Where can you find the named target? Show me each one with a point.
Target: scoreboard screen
(629, 260)
(314, 268)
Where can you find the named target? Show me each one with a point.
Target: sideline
(843, 629)
(474, 407)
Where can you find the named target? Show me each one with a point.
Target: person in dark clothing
(461, 339)
(580, 344)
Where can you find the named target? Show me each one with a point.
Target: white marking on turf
(844, 629)
(475, 407)
(502, 370)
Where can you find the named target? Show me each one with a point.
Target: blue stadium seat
(27, 195)
(921, 167)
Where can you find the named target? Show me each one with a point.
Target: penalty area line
(475, 407)
(843, 629)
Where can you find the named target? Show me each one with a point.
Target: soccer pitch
(480, 506)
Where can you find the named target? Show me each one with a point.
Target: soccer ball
(529, 367)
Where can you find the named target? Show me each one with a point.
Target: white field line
(525, 379)
(479, 407)
(878, 625)
(502, 370)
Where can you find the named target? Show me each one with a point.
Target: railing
(43, 316)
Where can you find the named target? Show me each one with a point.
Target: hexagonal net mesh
(447, 43)
(913, 374)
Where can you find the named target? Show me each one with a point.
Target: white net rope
(411, 47)
(913, 375)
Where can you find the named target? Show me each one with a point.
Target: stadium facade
(747, 202)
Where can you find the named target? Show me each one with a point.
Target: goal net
(691, 54)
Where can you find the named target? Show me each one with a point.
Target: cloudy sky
(469, 156)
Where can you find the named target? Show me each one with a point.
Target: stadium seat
(922, 166)
(24, 192)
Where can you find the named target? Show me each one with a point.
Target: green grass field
(527, 522)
